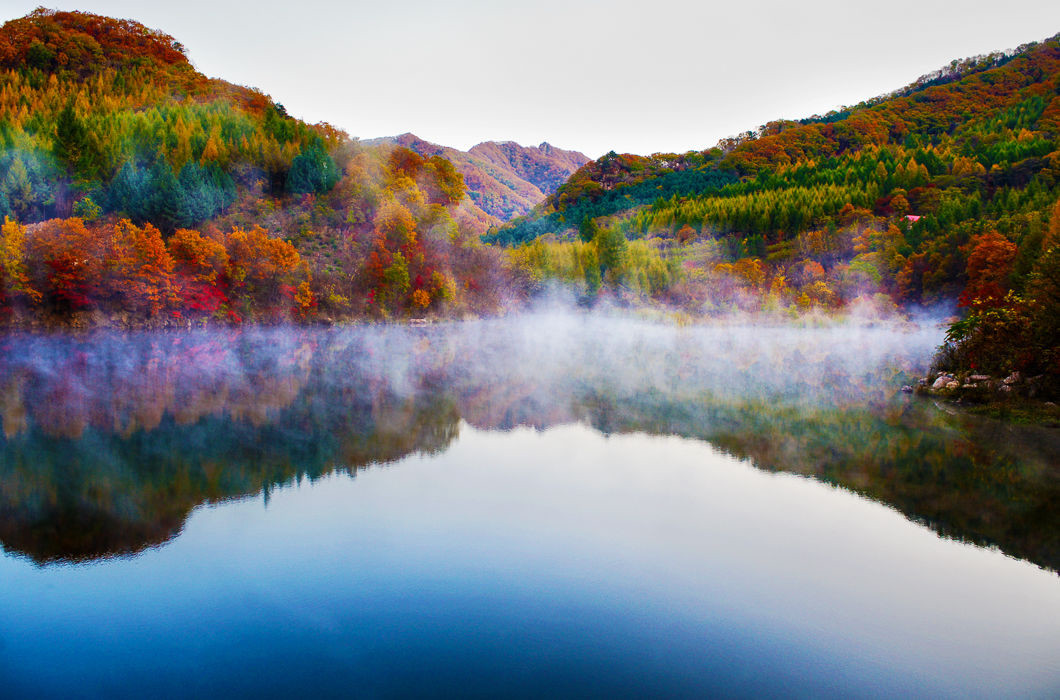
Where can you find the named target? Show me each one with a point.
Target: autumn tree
(445, 185)
(261, 269)
(141, 269)
(68, 263)
(395, 226)
(200, 266)
(395, 282)
(14, 279)
(1052, 236)
(405, 162)
(989, 269)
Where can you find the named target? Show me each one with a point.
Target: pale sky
(640, 77)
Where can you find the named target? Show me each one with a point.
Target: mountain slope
(943, 192)
(942, 161)
(140, 191)
(1000, 111)
(504, 180)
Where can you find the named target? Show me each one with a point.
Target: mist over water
(548, 357)
(833, 363)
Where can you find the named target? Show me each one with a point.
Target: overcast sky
(640, 77)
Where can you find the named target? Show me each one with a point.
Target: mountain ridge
(504, 179)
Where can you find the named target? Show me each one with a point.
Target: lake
(556, 504)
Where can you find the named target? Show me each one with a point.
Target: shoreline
(1015, 398)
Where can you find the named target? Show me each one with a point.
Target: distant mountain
(503, 179)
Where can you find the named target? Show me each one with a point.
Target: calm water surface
(559, 505)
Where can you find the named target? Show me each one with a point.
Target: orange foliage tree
(989, 268)
(68, 263)
(141, 269)
(262, 271)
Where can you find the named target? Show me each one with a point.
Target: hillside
(134, 189)
(944, 192)
(978, 137)
(503, 180)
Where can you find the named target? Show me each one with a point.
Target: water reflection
(110, 440)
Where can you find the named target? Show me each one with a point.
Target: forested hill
(503, 179)
(893, 189)
(943, 192)
(103, 109)
(133, 186)
(985, 125)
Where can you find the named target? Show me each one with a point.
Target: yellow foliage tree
(13, 275)
(1052, 236)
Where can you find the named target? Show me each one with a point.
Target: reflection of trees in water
(14, 418)
(969, 478)
(105, 493)
(126, 384)
(110, 441)
(110, 452)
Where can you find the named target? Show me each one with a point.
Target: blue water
(561, 560)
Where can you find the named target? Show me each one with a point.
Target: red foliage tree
(200, 266)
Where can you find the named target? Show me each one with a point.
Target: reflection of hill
(972, 479)
(108, 494)
(108, 450)
(111, 441)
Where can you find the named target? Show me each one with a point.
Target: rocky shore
(969, 387)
